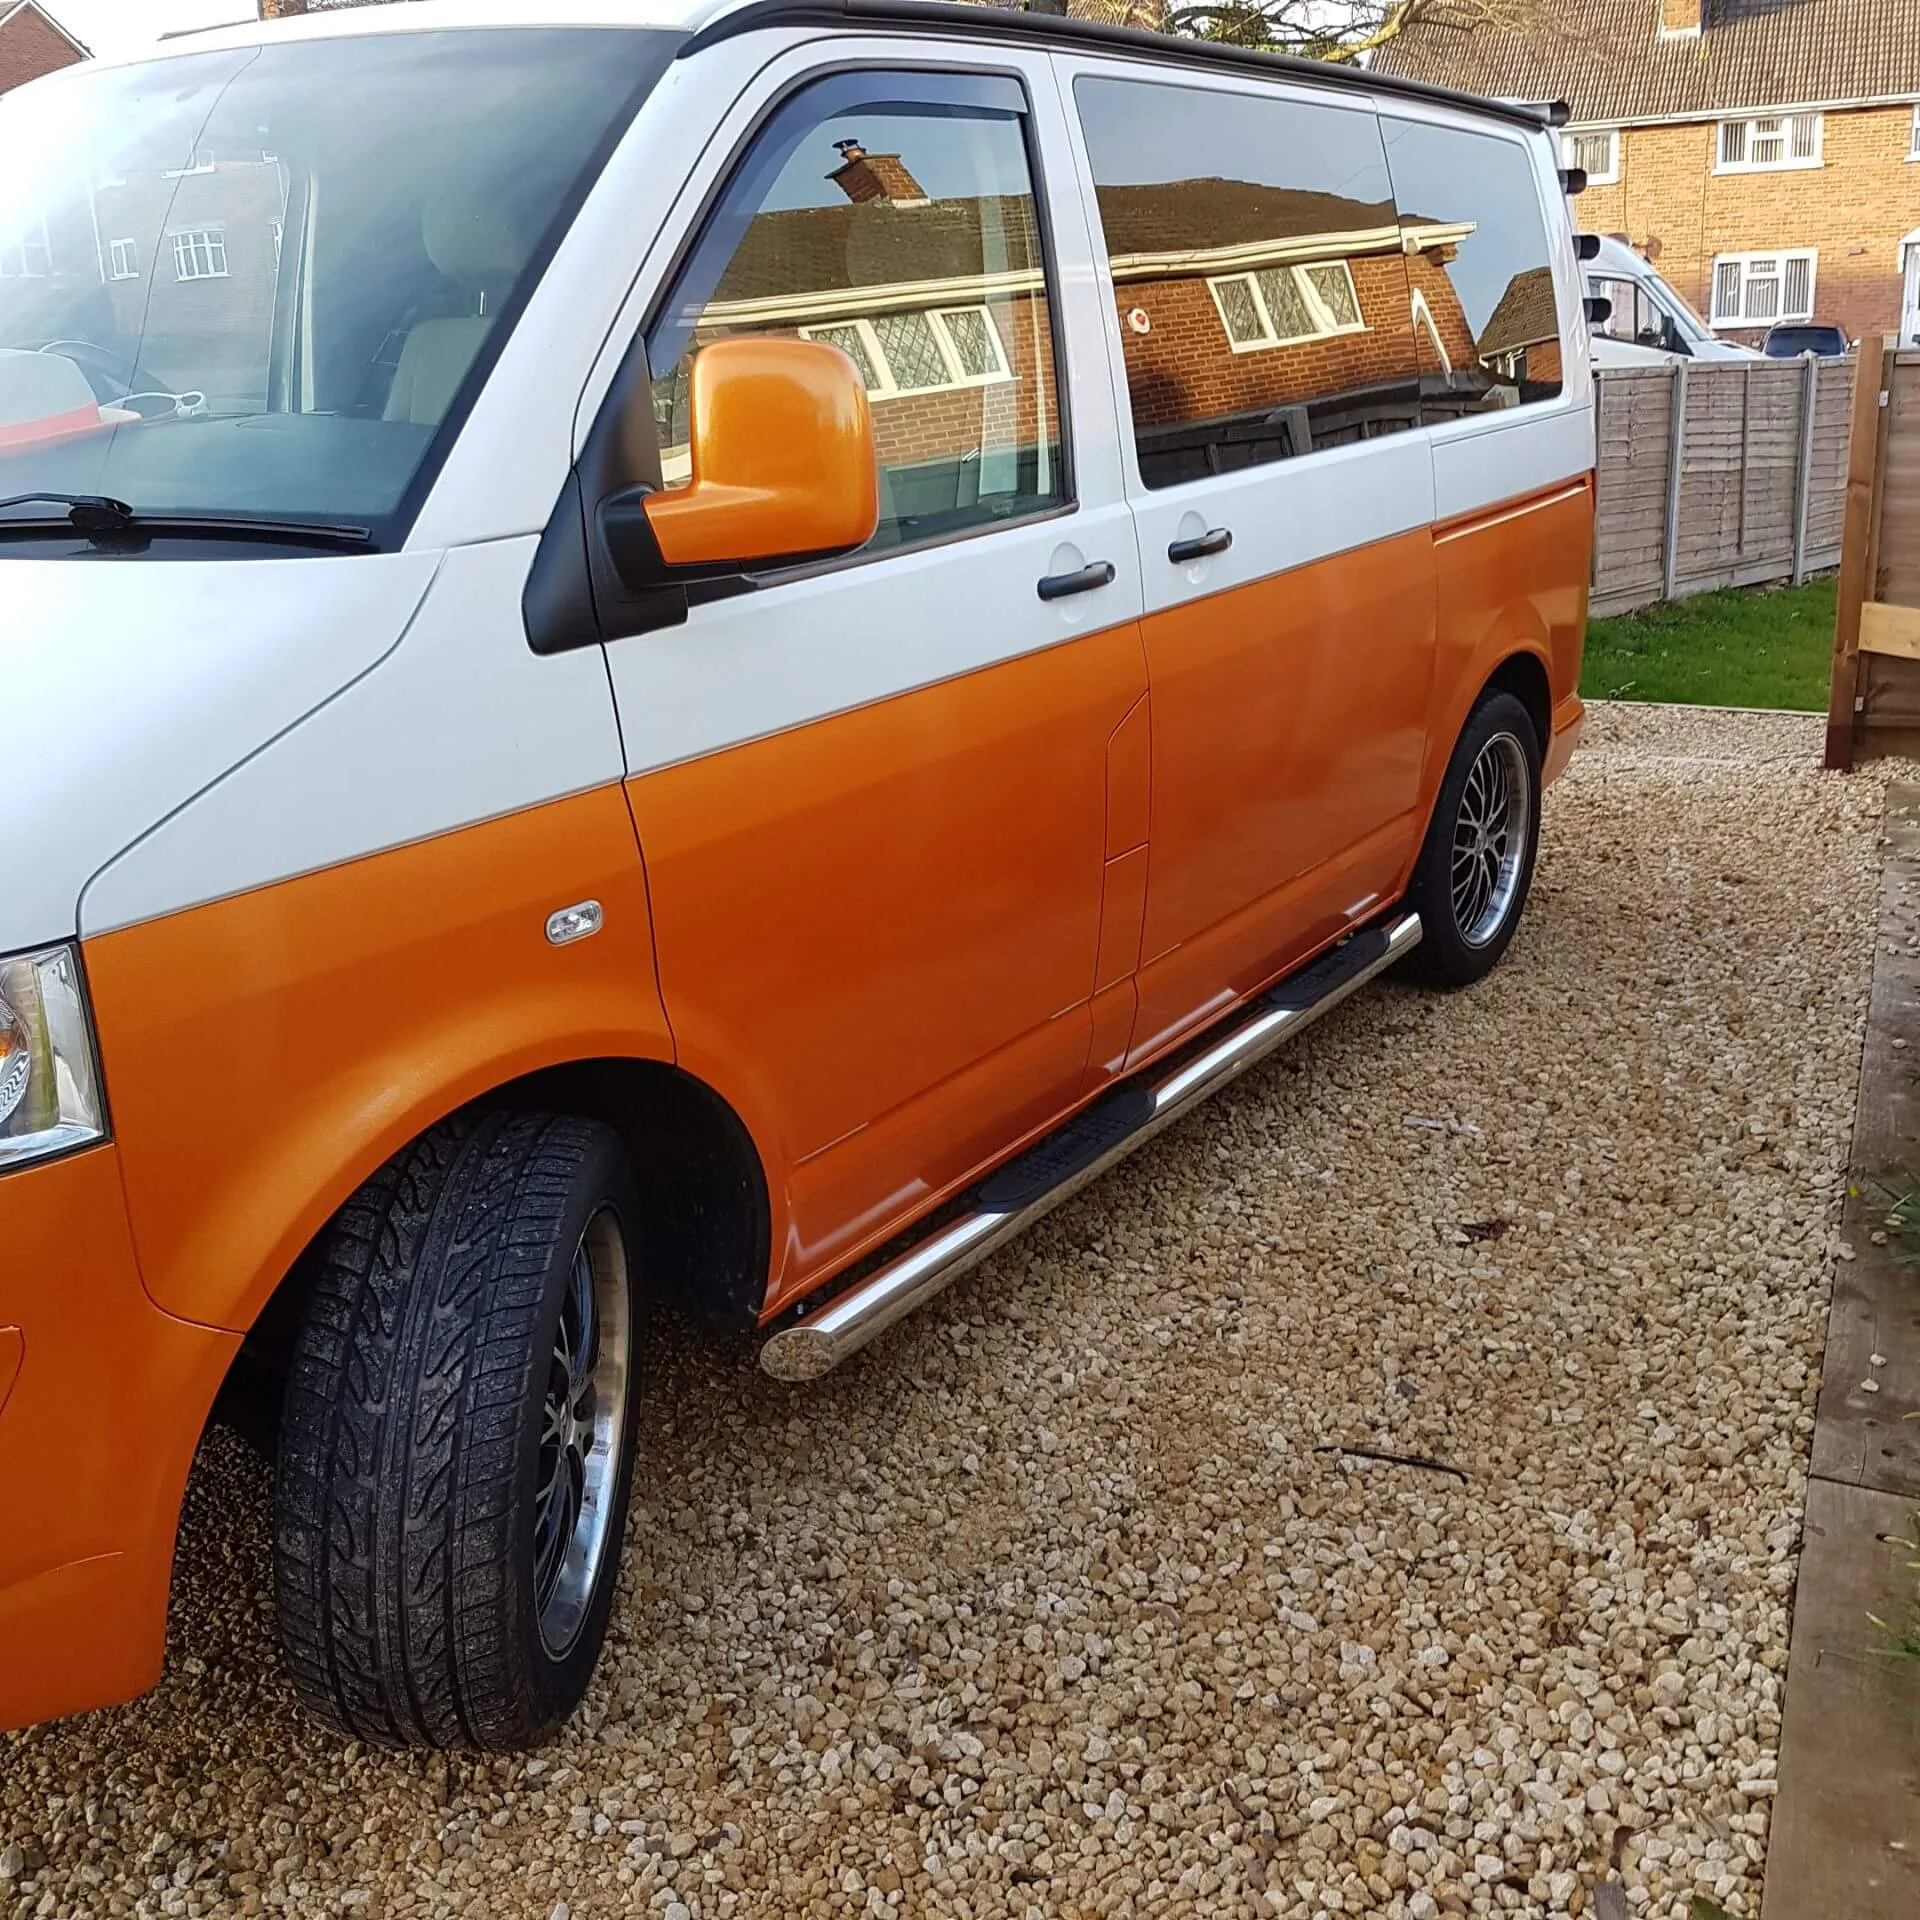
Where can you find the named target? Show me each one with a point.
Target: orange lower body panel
(879, 932)
(266, 1052)
(96, 1438)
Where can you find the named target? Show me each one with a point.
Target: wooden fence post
(1863, 513)
(1803, 479)
(1676, 459)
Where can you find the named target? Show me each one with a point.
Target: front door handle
(1097, 573)
(1214, 540)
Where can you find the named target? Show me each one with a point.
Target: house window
(1913, 137)
(1769, 143)
(1756, 289)
(1597, 153)
(28, 257)
(200, 253)
(1282, 305)
(900, 353)
(123, 260)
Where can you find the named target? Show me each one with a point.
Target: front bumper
(97, 1432)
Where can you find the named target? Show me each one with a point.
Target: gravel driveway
(1093, 1590)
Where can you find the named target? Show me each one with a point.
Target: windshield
(257, 284)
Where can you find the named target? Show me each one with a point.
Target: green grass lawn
(1747, 647)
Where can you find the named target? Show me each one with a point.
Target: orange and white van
(657, 649)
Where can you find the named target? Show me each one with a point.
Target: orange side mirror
(783, 457)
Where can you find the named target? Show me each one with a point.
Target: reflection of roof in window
(801, 250)
(1523, 316)
(790, 252)
(1227, 213)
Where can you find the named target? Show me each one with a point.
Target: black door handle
(1096, 573)
(1214, 540)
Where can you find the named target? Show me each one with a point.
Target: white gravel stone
(999, 1619)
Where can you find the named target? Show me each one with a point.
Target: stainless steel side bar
(818, 1343)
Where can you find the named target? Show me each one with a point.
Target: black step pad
(1329, 973)
(1073, 1149)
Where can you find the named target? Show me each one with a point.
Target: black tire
(1451, 954)
(411, 1434)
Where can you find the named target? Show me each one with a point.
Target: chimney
(865, 177)
(1682, 19)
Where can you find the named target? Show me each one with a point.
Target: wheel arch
(708, 1222)
(1523, 674)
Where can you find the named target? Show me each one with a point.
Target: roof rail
(1051, 29)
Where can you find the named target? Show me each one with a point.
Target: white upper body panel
(192, 729)
(131, 686)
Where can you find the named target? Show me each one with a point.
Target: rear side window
(1258, 284)
(1485, 320)
(893, 217)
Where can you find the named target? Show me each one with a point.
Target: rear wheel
(1471, 881)
(456, 1443)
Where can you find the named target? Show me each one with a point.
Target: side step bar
(1060, 1165)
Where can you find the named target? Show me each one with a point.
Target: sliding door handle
(1214, 540)
(1097, 573)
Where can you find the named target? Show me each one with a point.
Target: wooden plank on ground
(1863, 1434)
(1845, 1843)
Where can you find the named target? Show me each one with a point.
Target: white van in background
(1649, 322)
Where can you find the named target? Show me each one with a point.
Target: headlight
(49, 1089)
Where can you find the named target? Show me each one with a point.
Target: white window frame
(123, 260)
(1775, 258)
(1913, 134)
(1606, 176)
(16, 259)
(1769, 127)
(936, 318)
(202, 248)
(1327, 327)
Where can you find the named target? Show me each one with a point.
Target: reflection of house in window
(1523, 330)
(940, 303)
(200, 253)
(29, 256)
(123, 260)
(1428, 329)
(926, 352)
(1283, 305)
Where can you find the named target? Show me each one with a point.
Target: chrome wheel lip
(1492, 832)
(582, 1438)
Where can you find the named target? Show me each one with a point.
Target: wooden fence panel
(1898, 578)
(1760, 463)
(1873, 703)
(1827, 472)
(1630, 516)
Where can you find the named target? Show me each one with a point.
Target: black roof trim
(1045, 29)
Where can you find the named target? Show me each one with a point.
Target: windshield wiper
(87, 512)
(102, 518)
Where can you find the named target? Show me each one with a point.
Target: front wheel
(456, 1445)
(1476, 865)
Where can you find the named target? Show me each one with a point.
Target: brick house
(32, 42)
(1765, 156)
(1290, 310)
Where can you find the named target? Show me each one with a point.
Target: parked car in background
(1649, 321)
(1790, 340)
(724, 651)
